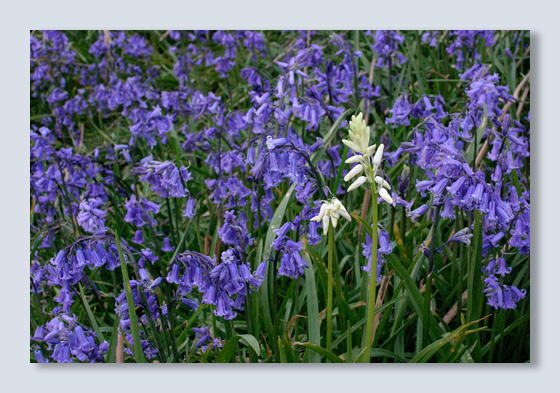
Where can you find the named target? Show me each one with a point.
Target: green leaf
(112, 352)
(283, 358)
(416, 297)
(275, 224)
(91, 317)
(251, 341)
(384, 353)
(137, 345)
(474, 283)
(328, 136)
(322, 351)
(229, 348)
(363, 223)
(313, 320)
(427, 353)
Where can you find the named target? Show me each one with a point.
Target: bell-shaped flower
(331, 211)
(359, 181)
(357, 170)
(378, 156)
(382, 182)
(385, 195)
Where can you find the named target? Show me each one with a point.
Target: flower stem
(372, 281)
(330, 287)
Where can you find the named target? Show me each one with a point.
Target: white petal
(325, 225)
(378, 155)
(344, 214)
(358, 169)
(353, 159)
(319, 216)
(352, 145)
(385, 195)
(382, 182)
(334, 221)
(371, 149)
(361, 180)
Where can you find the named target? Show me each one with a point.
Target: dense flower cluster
(453, 183)
(288, 251)
(66, 339)
(386, 46)
(225, 284)
(498, 294)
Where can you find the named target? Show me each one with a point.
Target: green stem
(330, 287)
(372, 281)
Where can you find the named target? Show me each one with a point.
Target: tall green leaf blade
(137, 345)
(313, 320)
(322, 351)
(474, 284)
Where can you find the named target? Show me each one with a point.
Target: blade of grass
(322, 351)
(91, 317)
(314, 323)
(474, 283)
(112, 351)
(428, 352)
(137, 344)
(264, 292)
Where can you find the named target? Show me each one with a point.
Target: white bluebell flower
(331, 211)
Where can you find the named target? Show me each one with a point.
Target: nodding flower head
(331, 211)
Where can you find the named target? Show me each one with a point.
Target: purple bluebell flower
(385, 247)
(138, 211)
(400, 113)
(462, 236)
(386, 46)
(205, 339)
(138, 238)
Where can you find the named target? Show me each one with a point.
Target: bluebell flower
(400, 112)
(189, 208)
(418, 212)
(138, 211)
(502, 270)
(386, 46)
(165, 177)
(291, 262)
(234, 231)
(203, 335)
(462, 236)
(167, 245)
(91, 218)
(138, 238)
(385, 247)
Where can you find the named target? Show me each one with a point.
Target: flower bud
(378, 155)
(385, 195)
(361, 180)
